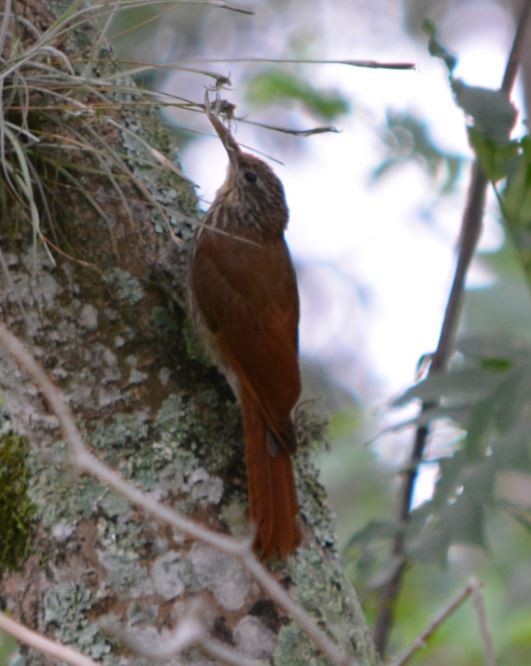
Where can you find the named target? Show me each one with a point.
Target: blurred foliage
(487, 398)
(353, 473)
(478, 519)
(273, 84)
(7, 648)
(407, 138)
(510, 162)
(490, 117)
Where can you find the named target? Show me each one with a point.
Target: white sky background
(381, 272)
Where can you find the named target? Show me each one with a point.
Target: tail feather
(273, 504)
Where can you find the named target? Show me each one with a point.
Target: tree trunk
(80, 292)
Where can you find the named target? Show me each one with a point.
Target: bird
(244, 299)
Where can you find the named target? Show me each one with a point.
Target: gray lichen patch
(312, 499)
(88, 317)
(321, 587)
(66, 607)
(311, 493)
(61, 497)
(175, 195)
(222, 575)
(294, 649)
(203, 488)
(171, 574)
(126, 289)
(253, 638)
(126, 575)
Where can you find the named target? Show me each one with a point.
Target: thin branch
(473, 589)
(44, 645)
(370, 64)
(420, 642)
(84, 461)
(479, 603)
(469, 236)
(323, 129)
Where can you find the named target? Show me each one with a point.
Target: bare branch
(371, 64)
(43, 644)
(86, 462)
(420, 642)
(473, 589)
(479, 603)
(323, 129)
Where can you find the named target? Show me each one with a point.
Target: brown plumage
(244, 293)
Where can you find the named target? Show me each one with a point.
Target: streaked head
(251, 185)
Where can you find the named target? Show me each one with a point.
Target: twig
(479, 603)
(473, 589)
(420, 642)
(470, 232)
(294, 132)
(84, 461)
(370, 64)
(43, 644)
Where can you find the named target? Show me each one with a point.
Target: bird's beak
(231, 146)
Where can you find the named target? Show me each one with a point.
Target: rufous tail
(273, 506)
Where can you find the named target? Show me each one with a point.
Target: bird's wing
(247, 295)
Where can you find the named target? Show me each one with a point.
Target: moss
(16, 508)
(164, 322)
(195, 349)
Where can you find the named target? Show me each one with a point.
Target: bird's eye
(250, 176)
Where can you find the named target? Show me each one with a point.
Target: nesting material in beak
(231, 146)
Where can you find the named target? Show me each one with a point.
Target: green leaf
(511, 450)
(408, 139)
(516, 205)
(273, 85)
(512, 396)
(496, 158)
(496, 364)
(464, 521)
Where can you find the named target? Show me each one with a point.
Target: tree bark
(82, 298)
